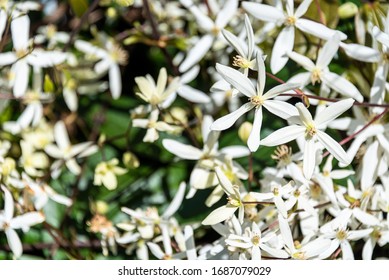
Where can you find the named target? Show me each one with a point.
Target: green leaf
(79, 7)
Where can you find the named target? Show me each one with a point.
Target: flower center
(240, 62)
(215, 30)
(310, 131)
(234, 202)
(283, 154)
(255, 240)
(21, 53)
(341, 234)
(299, 256)
(256, 100)
(119, 55)
(290, 20)
(316, 75)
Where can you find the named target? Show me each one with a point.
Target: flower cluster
(190, 129)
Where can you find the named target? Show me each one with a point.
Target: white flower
(308, 128)
(253, 239)
(234, 202)
(65, 152)
(212, 28)
(153, 126)
(320, 73)
(256, 100)
(289, 19)
(23, 55)
(106, 172)
(111, 56)
(157, 94)
(9, 223)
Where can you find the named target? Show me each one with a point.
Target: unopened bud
(130, 160)
(347, 10)
(244, 131)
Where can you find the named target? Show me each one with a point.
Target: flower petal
(333, 111)
(182, 150)
(236, 79)
(219, 215)
(228, 120)
(283, 135)
(309, 160)
(196, 53)
(333, 147)
(263, 12)
(342, 86)
(282, 46)
(255, 134)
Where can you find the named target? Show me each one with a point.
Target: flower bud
(244, 131)
(130, 160)
(101, 207)
(347, 10)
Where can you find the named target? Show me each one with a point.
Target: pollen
(341, 234)
(234, 202)
(255, 240)
(311, 131)
(119, 55)
(240, 62)
(290, 20)
(283, 154)
(256, 100)
(316, 75)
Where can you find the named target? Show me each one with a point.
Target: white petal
(255, 134)
(263, 12)
(189, 243)
(370, 163)
(61, 135)
(20, 28)
(14, 242)
(176, 202)
(235, 151)
(73, 166)
(333, 111)
(342, 86)
(309, 161)
(27, 220)
(8, 204)
(70, 97)
(283, 135)
(286, 232)
(261, 74)
(347, 251)
(230, 8)
(21, 70)
(7, 58)
(224, 181)
(282, 46)
(302, 8)
(156, 250)
(236, 79)
(182, 150)
(302, 60)
(317, 29)
(380, 36)
(333, 147)
(115, 81)
(328, 51)
(193, 95)
(219, 215)
(228, 120)
(274, 252)
(196, 53)
(280, 108)
(305, 115)
(279, 89)
(368, 248)
(361, 53)
(365, 218)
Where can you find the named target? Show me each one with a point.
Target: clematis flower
(23, 56)
(65, 152)
(257, 100)
(290, 20)
(106, 172)
(111, 56)
(9, 224)
(212, 28)
(319, 72)
(305, 126)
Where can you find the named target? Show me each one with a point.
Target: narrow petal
(286, 232)
(196, 53)
(317, 29)
(176, 202)
(280, 108)
(8, 204)
(282, 46)
(347, 251)
(302, 8)
(328, 51)
(279, 89)
(14, 242)
(61, 135)
(255, 134)
(193, 95)
(224, 181)
(20, 29)
(368, 248)
(261, 74)
(219, 215)
(380, 36)
(342, 86)
(370, 164)
(228, 120)
(333, 147)
(237, 80)
(365, 218)
(21, 70)
(156, 250)
(302, 60)
(283, 135)
(230, 8)
(189, 243)
(182, 150)
(361, 53)
(115, 81)
(305, 115)
(277, 253)
(309, 161)
(263, 12)
(27, 220)
(333, 111)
